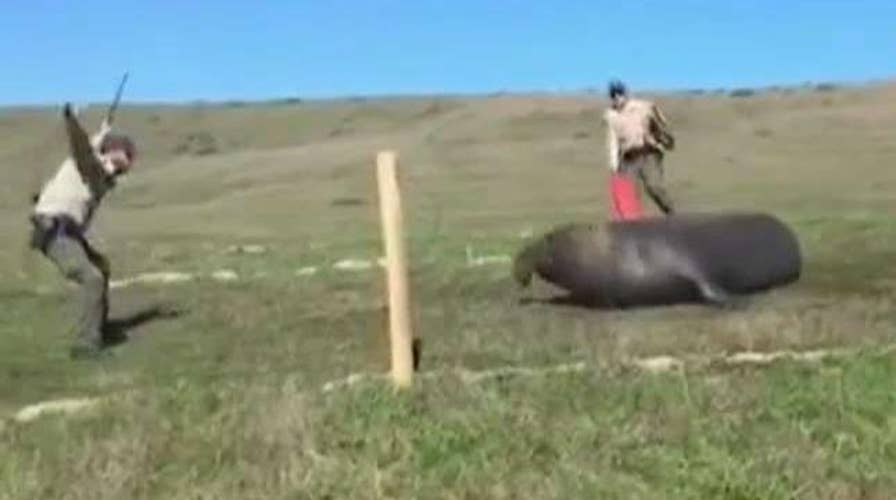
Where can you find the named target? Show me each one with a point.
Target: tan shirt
(81, 181)
(631, 128)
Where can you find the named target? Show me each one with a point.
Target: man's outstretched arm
(83, 152)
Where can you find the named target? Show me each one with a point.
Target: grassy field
(217, 393)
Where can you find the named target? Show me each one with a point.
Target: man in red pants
(637, 138)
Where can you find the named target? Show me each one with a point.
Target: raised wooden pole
(400, 335)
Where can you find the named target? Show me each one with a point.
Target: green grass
(223, 400)
(822, 431)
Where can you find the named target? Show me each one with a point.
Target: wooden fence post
(400, 334)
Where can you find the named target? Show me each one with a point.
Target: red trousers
(625, 202)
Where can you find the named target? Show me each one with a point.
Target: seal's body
(665, 260)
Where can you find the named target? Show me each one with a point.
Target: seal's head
(559, 255)
(527, 260)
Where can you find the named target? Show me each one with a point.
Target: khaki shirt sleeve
(665, 135)
(659, 116)
(83, 153)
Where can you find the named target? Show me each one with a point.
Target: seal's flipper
(709, 291)
(719, 297)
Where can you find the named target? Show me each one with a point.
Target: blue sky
(228, 49)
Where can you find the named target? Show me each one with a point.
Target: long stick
(400, 334)
(110, 113)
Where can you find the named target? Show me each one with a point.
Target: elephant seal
(707, 258)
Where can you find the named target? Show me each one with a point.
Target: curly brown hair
(119, 142)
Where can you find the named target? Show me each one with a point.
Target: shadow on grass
(572, 301)
(116, 330)
(741, 302)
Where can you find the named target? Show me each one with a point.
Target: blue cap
(616, 88)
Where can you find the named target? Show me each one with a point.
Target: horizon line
(590, 90)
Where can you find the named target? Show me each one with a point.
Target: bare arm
(83, 153)
(100, 134)
(612, 144)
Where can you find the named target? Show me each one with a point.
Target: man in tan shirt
(62, 214)
(637, 138)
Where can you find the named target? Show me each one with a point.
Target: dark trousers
(647, 165)
(63, 243)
